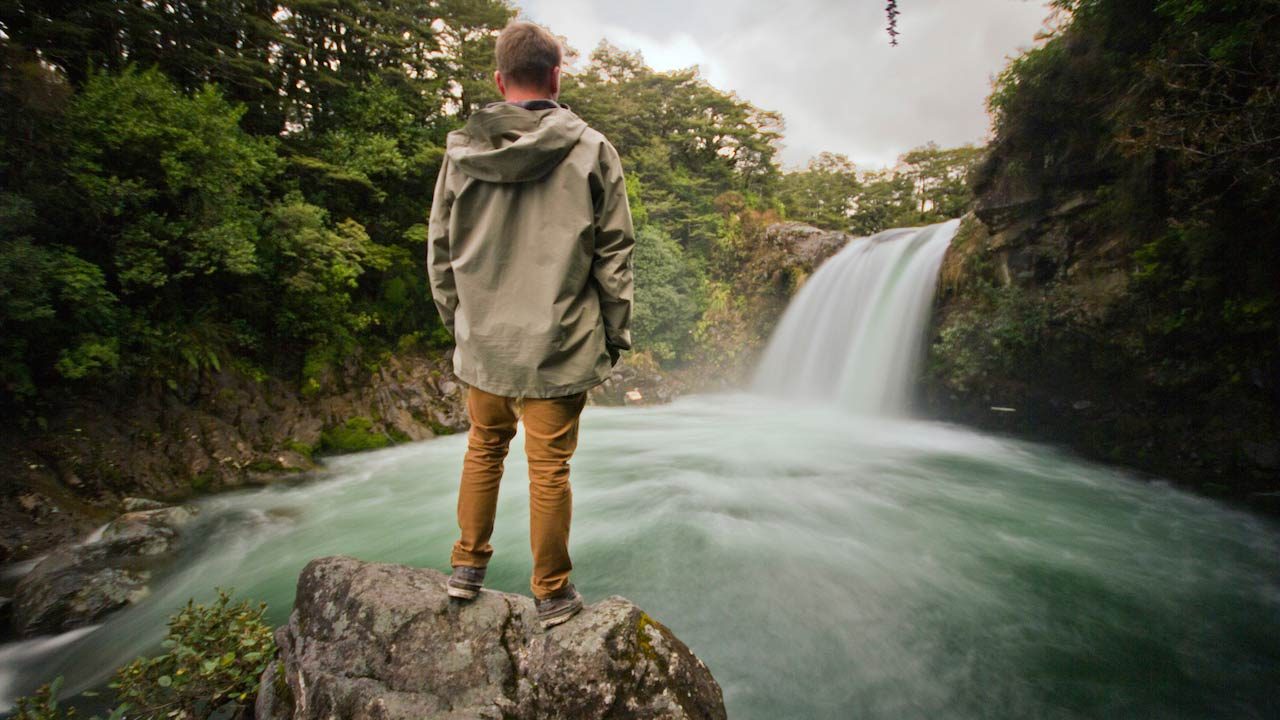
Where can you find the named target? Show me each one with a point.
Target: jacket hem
(539, 393)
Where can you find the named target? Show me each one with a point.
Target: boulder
(78, 583)
(370, 640)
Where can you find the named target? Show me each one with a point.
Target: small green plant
(216, 655)
(354, 435)
(43, 705)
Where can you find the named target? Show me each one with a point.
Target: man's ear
(497, 79)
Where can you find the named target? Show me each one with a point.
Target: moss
(201, 481)
(439, 428)
(643, 644)
(303, 449)
(284, 694)
(355, 435)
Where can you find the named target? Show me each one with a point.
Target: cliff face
(227, 430)
(1038, 331)
(368, 640)
(1118, 286)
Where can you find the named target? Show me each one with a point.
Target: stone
(372, 640)
(147, 532)
(132, 504)
(78, 583)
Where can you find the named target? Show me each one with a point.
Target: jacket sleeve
(611, 262)
(439, 266)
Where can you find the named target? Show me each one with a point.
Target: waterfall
(853, 334)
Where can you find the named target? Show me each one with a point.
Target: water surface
(824, 565)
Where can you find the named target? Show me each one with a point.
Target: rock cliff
(226, 429)
(368, 640)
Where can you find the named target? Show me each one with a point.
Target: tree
(823, 194)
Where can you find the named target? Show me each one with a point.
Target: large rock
(368, 640)
(78, 583)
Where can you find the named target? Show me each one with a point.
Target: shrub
(216, 654)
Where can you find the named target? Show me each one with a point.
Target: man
(529, 257)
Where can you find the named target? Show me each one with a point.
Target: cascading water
(852, 334)
(824, 563)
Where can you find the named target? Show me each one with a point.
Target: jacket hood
(503, 142)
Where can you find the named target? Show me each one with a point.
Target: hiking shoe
(559, 607)
(465, 582)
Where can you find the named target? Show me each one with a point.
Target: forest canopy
(190, 184)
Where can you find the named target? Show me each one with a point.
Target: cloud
(826, 65)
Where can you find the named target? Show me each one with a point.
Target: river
(828, 557)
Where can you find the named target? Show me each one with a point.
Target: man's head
(528, 62)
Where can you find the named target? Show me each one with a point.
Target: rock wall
(227, 430)
(1037, 332)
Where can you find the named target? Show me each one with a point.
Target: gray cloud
(826, 65)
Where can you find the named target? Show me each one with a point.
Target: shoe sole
(561, 617)
(463, 593)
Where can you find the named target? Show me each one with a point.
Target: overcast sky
(826, 65)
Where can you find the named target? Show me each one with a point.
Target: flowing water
(824, 563)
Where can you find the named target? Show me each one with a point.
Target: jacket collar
(539, 104)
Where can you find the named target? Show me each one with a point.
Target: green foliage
(173, 180)
(317, 265)
(1003, 336)
(215, 655)
(685, 141)
(1173, 108)
(928, 185)
(668, 295)
(354, 435)
(823, 194)
(55, 312)
(43, 705)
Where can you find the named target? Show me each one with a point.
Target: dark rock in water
(147, 532)
(79, 583)
(368, 640)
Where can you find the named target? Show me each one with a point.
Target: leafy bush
(668, 295)
(215, 656)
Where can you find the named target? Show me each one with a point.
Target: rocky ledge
(368, 640)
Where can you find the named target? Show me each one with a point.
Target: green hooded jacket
(529, 252)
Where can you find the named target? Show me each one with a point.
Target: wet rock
(133, 504)
(368, 640)
(147, 532)
(78, 583)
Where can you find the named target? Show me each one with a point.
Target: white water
(853, 333)
(825, 564)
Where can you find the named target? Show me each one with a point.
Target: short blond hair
(526, 53)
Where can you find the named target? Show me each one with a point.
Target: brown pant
(551, 435)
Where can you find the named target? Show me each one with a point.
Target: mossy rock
(355, 435)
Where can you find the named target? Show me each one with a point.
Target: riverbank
(231, 428)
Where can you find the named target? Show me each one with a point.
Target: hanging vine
(891, 10)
